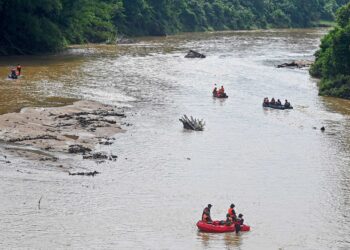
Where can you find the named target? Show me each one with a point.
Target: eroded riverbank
(41, 133)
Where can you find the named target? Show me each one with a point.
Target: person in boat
(206, 214)
(229, 220)
(231, 211)
(239, 223)
(19, 69)
(266, 100)
(278, 102)
(221, 91)
(215, 91)
(286, 104)
(273, 101)
(13, 74)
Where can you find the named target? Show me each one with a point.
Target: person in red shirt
(206, 214)
(221, 91)
(19, 68)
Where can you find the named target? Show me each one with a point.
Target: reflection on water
(231, 240)
(291, 181)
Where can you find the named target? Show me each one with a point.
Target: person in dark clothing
(215, 91)
(239, 223)
(279, 102)
(13, 74)
(229, 220)
(206, 214)
(286, 103)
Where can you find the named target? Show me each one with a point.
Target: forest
(39, 26)
(332, 63)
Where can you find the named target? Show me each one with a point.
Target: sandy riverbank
(41, 133)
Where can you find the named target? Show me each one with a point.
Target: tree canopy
(332, 63)
(35, 26)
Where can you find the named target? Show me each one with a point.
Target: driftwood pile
(192, 123)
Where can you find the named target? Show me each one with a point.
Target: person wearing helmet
(231, 211)
(286, 104)
(239, 223)
(229, 220)
(206, 214)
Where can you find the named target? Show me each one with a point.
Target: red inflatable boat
(216, 228)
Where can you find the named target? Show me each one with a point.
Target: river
(290, 180)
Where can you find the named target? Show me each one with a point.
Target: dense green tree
(332, 63)
(34, 26)
(33, 29)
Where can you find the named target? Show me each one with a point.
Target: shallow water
(290, 181)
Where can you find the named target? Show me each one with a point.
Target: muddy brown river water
(290, 180)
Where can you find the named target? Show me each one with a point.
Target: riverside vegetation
(332, 63)
(38, 26)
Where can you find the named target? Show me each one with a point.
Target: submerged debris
(29, 138)
(39, 202)
(78, 149)
(85, 173)
(100, 156)
(296, 64)
(192, 123)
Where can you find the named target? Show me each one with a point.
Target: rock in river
(194, 54)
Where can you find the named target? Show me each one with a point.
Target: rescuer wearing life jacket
(229, 220)
(231, 211)
(221, 91)
(19, 68)
(206, 214)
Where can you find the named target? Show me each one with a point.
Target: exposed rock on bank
(296, 64)
(194, 54)
(74, 129)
